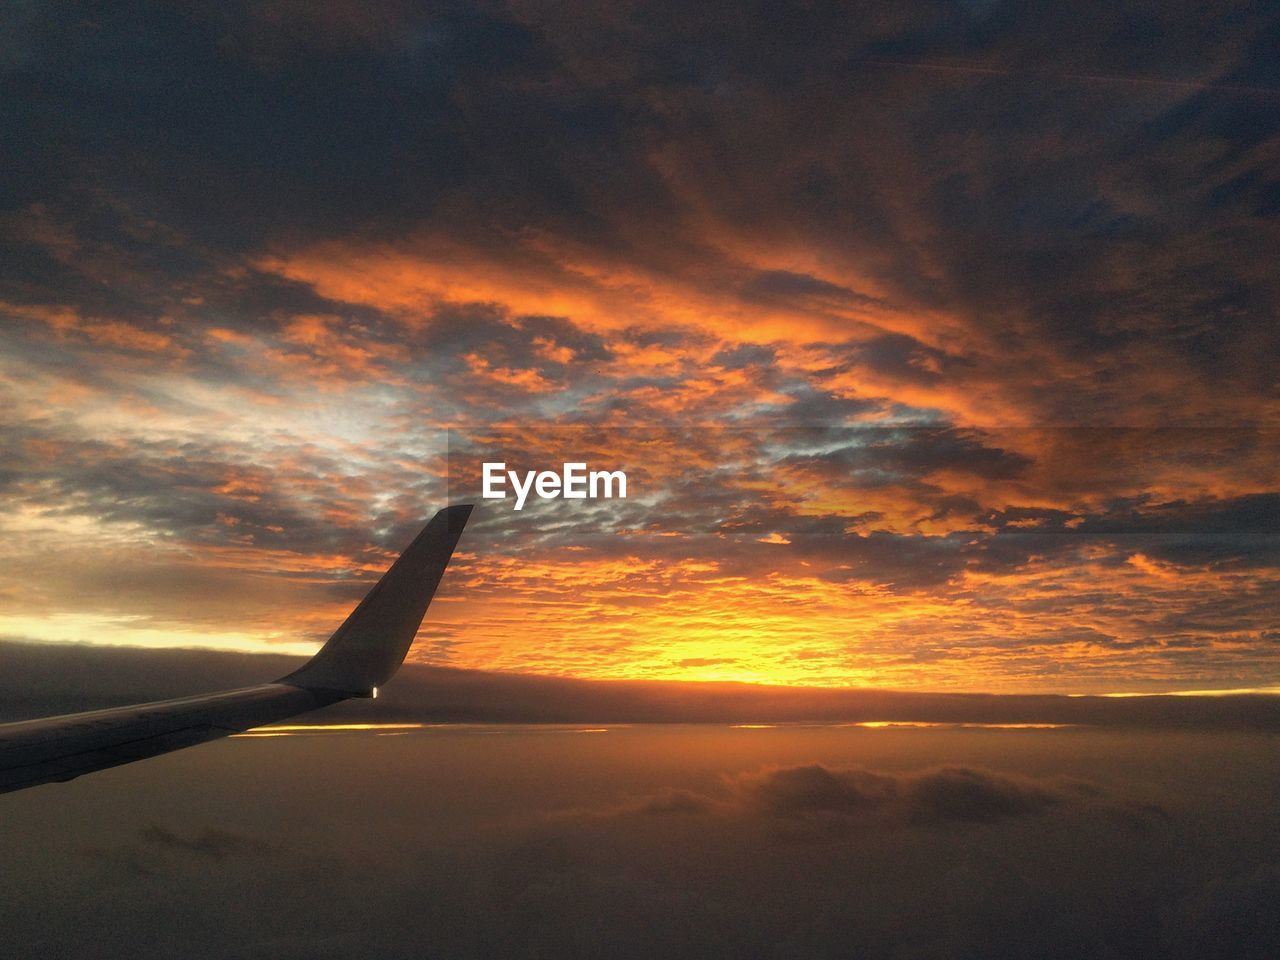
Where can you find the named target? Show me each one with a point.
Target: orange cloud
(66, 322)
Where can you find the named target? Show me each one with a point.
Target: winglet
(369, 647)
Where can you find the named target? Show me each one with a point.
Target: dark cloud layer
(41, 679)
(697, 844)
(1104, 201)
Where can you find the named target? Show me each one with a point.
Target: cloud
(921, 344)
(668, 802)
(213, 843)
(948, 794)
(703, 843)
(812, 801)
(157, 850)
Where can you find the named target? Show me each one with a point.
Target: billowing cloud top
(938, 344)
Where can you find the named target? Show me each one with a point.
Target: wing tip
(372, 642)
(459, 512)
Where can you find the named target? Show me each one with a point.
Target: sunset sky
(939, 346)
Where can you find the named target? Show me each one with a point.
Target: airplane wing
(360, 656)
